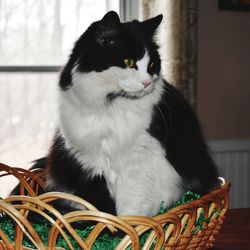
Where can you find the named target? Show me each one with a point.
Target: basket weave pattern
(175, 229)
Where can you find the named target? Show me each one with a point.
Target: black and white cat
(126, 139)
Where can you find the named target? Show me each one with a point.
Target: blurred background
(205, 54)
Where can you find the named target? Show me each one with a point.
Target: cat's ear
(111, 19)
(149, 26)
(108, 28)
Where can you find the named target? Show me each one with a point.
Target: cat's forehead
(132, 40)
(133, 29)
(134, 48)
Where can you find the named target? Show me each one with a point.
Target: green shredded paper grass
(105, 240)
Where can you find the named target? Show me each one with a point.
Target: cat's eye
(129, 62)
(151, 65)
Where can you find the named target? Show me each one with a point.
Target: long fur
(126, 139)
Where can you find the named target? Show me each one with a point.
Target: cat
(126, 139)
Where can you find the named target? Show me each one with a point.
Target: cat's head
(114, 59)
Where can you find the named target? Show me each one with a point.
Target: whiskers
(168, 90)
(163, 117)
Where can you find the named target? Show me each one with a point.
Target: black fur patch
(68, 174)
(122, 94)
(175, 125)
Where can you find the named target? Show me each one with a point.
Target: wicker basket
(172, 230)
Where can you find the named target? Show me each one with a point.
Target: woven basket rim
(180, 220)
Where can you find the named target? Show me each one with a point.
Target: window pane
(42, 32)
(27, 115)
(28, 118)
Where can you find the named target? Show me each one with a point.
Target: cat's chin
(145, 91)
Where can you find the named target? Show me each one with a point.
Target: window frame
(30, 68)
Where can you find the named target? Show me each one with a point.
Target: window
(36, 38)
(42, 32)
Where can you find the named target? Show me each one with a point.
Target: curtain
(177, 39)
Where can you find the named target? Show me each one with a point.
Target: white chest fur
(113, 141)
(102, 135)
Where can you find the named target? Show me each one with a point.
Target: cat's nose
(146, 84)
